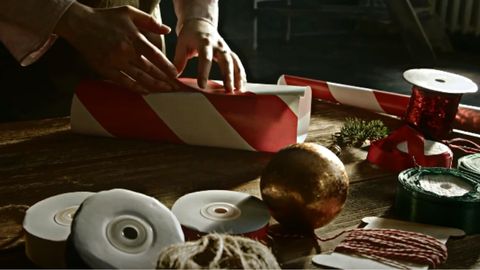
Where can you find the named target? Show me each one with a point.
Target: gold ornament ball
(305, 186)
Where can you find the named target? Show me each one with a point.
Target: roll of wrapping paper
(467, 117)
(47, 226)
(447, 197)
(471, 164)
(222, 211)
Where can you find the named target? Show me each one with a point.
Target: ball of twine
(218, 251)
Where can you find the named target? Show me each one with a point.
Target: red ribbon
(464, 145)
(385, 153)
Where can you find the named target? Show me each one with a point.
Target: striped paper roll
(266, 118)
(222, 211)
(47, 227)
(446, 197)
(467, 117)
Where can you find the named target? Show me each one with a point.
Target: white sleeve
(26, 26)
(186, 10)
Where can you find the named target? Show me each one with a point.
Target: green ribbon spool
(471, 164)
(440, 196)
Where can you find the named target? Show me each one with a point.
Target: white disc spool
(430, 148)
(440, 81)
(221, 211)
(470, 163)
(123, 229)
(445, 185)
(47, 226)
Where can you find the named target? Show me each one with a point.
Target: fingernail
(243, 84)
(174, 71)
(229, 87)
(162, 86)
(202, 83)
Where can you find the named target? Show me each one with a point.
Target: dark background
(344, 45)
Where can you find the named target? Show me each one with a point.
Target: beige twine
(11, 231)
(218, 251)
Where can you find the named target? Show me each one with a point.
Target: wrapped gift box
(265, 118)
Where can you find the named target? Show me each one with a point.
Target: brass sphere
(305, 186)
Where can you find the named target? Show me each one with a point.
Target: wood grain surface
(40, 159)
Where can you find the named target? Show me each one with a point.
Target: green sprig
(355, 132)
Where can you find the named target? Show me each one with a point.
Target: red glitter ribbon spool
(434, 102)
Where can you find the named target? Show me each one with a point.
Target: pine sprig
(355, 132)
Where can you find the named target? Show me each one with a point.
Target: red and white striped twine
(387, 245)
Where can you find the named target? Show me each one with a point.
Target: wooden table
(43, 158)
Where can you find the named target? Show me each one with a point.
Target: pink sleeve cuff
(29, 37)
(206, 10)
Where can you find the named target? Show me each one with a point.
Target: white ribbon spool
(440, 81)
(47, 226)
(123, 229)
(445, 185)
(430, 148)
(221, 211)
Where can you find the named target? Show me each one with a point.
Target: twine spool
(11, 233)
(446, 197)
(218, 251)
(435, 98)
(47, 226)
(222, 211)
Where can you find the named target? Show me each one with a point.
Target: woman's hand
(200, 38)
(112, 43)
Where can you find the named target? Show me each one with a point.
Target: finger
(146, 22)
(125, 80)
(181, 57)
(205, 56)
(155, 39)
(225, 62)
(155, 56)
(154, 72)
(146, 81)
(240, 76)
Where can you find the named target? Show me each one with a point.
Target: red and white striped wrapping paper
(467, 118)
(266, 118)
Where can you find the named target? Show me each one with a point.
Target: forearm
(68, 25)
(27, 26)
(186, 10)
